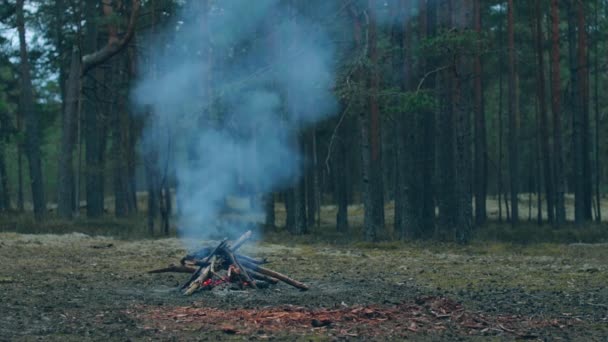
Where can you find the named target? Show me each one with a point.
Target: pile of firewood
(222, 266)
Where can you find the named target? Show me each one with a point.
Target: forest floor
(72, 287)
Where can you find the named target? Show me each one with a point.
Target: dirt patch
(75, 287)
(425, 315)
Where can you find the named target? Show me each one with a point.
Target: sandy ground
(77, 287)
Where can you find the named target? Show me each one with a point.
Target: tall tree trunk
(583, 70)
(20, 200)
(512, 108)
(597, 120)
(290, 212)
(269, 204)
(558, 154)
(32, 121)
(150, 166)
(544, 122)
(375, 137)
(119, 142)
(65, 184)
(299, 192)
(500, 124)
(462, 117)
(448, 97)
(405, 218)
(92, 126)
(341, 179)
(425, 192)
(537, 186)
(5, 197)
(312, 183)
(577, 117)
(481, 144)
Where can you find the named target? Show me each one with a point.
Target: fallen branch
(276, 275)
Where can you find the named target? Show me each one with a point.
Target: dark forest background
(454, 116)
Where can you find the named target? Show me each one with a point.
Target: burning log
(202, 277)
(221, 265)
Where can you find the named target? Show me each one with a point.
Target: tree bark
(598, 197)
(32, 121)
(558, 154)
(341, 179)
(577, 117)
(92, 112)
(269, 209)
(5, 197)
(405, 219)
(119, 142)
(481, 144)
(544, 122)
(583, 71)
(447, 93)
(375, 170)
(424, 193)
(290, 217)
(512, 110)
(500, 124)
(463, 132)
(65, 184)
(300, 226)
(311, 180)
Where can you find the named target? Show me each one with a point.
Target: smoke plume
(227, 90)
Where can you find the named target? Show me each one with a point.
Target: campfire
(222, 266)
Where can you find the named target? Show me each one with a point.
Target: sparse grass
(527, 233)
(133, 227)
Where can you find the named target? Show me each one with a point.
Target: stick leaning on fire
(205, 264)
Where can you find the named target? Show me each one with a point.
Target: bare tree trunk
(20, 201)
(65, 185)
(544, 122)
(311, 180)
(448, 97)
(152, 184)
(119, 142)
(341, 179)
(558, 154)
(290, 204)
(537, 167)
(598, 197)
(464, 224)
(577, 117)
(270, 220)
(481, 144)
(512, 105)
(375, 137)
(405, 219)
(427, 124)
(583, 70)
(5, 197)
(92, 126)
(500, 126)
(32, 122)
(301, 223)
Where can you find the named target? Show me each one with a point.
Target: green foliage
(419, 101)
(449, 43)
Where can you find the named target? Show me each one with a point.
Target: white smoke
(272, 74)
